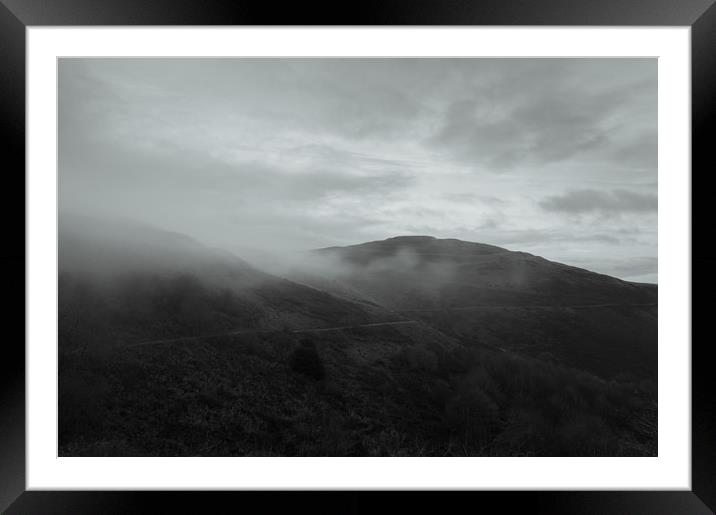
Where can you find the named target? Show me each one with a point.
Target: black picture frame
(16, 15)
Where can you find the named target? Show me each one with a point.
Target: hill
(421, 272)
(514, 301)
(170, 348)
(127, 283)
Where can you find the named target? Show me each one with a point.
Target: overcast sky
(556, 157)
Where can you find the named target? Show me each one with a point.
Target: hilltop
(487, 295)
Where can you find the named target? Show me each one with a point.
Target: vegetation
(305, 360)
(271, 394)
(227, 362)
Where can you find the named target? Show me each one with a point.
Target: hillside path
(259, 331)
(526, 306)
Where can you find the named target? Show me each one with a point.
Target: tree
(306, 361)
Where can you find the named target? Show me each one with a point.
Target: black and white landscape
(357, 257)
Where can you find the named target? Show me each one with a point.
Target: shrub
(306, 361)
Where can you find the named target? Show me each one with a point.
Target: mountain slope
(414, 272)
(514, 301)
(125, 283)
(170, 348)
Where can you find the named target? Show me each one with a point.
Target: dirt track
(534, 306)
(259, 331)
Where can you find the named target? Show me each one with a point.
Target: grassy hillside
(609, 341)
(122, 283)
(512, 300)
(168, 348)
(412, 272)
(380, 394)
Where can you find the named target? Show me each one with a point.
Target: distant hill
(413, 272)
(150, 284)
(483, 294)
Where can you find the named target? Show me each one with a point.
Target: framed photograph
(423, 247)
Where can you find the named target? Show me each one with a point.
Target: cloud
(554, 111)
(301, 153)
(608, 202)
(525, 238)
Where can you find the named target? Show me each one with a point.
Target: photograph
(357, 256)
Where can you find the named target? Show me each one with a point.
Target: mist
(270, 158)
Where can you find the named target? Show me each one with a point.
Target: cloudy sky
(556, 157)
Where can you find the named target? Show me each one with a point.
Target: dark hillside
(168, 348)
(379, 394)
(482, 294)
(122, 283)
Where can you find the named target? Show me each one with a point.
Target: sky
(556, 157)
